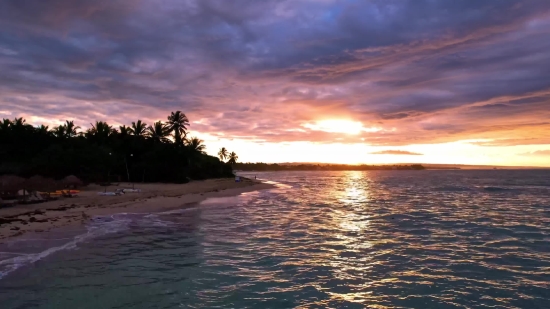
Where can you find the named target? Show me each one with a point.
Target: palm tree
(232, 158)
(42, 129)
(124, 130)
(158, 132)
(222, 154)
(138, 128)
(59, 131)
(196, 144)
(70, 129)
(5, 124)
(19, 124)
(101, 129)
(178, 122)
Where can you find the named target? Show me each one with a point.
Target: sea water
(374, 239)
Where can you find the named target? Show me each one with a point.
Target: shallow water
(380, 239)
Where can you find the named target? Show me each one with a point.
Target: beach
(154, 197)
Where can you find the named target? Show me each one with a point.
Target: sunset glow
(340, 126)
(301, 81)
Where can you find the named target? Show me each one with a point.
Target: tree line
(224, 154)
(321, 167)
(159, 152)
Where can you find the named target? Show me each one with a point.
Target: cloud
(513, 142)
(397, 152)
(537, 153)
(421, 71)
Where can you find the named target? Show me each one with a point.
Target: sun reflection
(350, 256)
(356, 188)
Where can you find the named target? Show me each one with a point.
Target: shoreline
(76, 211)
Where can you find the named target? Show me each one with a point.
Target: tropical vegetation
(224, 154)
(160, 152)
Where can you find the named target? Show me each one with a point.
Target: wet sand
(18, 220)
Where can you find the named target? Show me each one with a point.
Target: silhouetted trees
(138, 128)
(232, 158)
(222, 154)
(177, 123)
(321, 167)
(157, 153)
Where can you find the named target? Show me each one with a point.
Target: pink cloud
(397, 152)
(258, 75)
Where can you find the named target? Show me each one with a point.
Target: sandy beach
(154, 197)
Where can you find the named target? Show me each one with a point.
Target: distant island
(321, 167)
(310, 166)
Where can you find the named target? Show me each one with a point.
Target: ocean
(373, 239)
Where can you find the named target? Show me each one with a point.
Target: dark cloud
(424, 71)
(397, 152)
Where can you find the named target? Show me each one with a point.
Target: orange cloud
(537, 153)
(397, 152)
(273, 71)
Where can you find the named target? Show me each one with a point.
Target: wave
(99, 227)
(499, 189)
(452, 189)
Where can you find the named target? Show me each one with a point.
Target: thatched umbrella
(35, 183)
(72, 181)
(11, 183)
(50, 185)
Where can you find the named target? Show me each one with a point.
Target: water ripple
(427, 239)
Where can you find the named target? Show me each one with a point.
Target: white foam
(96, 229)
(99, 226)
(176, 211)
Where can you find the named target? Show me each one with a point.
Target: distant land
(321, 167)
(309, 166)
(477, 167)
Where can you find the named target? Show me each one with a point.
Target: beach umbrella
(11, 183)
(50, 185)
(72, 180)
(35, 183)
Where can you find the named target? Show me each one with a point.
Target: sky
(350, 81)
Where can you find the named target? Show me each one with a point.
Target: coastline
(76, 211)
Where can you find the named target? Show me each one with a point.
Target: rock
(15, 228)
(32, 219)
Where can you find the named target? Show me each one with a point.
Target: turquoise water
(380, 239)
